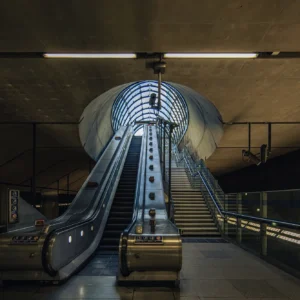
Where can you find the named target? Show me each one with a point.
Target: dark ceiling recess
(265, 149)
(279, 173)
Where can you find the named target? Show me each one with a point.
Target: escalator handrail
(106, 178)
(207, 188)
(102, 182)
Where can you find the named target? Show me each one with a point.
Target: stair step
(117, 220)
(204, 211)
(193, 225)
(112, 233)
(197, 226)
(116, 209)
(120, 202)
(202, 233)
(179, 213)
(202, 228)
(188, 205)
(110, 241)
(109, 248)
(191, 220)
(116, 226)
(189, 202)
(185, 196)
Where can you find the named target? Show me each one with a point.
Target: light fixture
(89, 55)
(210, 55)
(250, 157)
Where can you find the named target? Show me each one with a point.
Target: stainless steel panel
(142, 255)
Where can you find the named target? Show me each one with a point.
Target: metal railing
(277, 241)
(165, 138)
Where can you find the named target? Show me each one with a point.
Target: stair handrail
(208, 189)
(224, 213)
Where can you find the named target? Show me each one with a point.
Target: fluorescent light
(210, 55)
(89, 55)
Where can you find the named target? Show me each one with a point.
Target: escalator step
(120, 215)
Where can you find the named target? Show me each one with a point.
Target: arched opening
(132, 104)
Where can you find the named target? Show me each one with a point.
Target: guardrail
(277, 241)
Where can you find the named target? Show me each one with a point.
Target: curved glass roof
(132, 105)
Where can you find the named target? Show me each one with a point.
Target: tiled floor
(211, 271)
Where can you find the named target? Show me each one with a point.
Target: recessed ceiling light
(89, 55)
(210, 55)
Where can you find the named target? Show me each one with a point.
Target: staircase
(192, 216)
(122, 208)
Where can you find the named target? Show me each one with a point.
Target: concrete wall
(203, 134)
(205, 124)
(95, 128)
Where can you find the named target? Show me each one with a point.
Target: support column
(263, 227)
(160, 140)
(170, 177)
(3, 208)
(239, 221)
(164, 152)
(68, 184)
(159, 91)
(33, 180)
(225, 229)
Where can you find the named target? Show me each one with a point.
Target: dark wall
(279, 173)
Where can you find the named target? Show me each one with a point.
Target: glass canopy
(132, 105)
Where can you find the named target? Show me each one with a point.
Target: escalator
(122, 208)
(55, 250)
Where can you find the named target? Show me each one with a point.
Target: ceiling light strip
(89, 55)
(210, 55)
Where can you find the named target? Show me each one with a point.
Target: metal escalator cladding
(122, 208)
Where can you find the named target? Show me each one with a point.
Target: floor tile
(211, 271)
(187, 298)
(256, 288)
(216, 254)
(217, 288)
(287, 286)
(207, 288)
(142, 295)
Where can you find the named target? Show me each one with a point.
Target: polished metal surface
(59, 248)
(143, 250)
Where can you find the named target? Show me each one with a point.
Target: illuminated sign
(13, 206)
(150, 239)
(25, 239)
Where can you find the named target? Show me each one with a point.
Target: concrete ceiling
(58, 90)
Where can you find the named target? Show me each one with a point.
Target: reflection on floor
(102, 264)
(211, 271)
